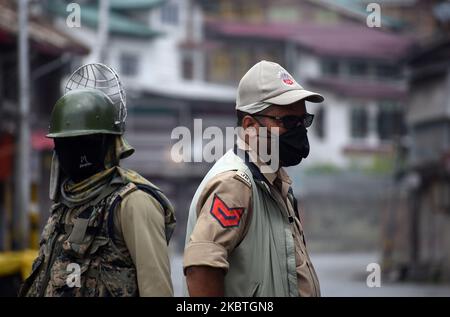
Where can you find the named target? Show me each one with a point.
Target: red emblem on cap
(286, 78)
(227, 217)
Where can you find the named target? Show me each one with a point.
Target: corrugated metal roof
(42, 35)
(361, 89)
(135, 4)
(118, 24)
(357, 9)
(341, 40)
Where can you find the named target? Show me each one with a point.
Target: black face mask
(81, 157)
(294, 146)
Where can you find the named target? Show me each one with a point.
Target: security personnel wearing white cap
(244, 234)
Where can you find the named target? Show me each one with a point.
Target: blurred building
(417, 227)
(423, 19)
(51, 50)
(181, 60)
(149, 44)
(327, 47)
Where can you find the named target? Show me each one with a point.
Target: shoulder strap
(128, 189)
(155, 193)
(169, 217)
(115, 200)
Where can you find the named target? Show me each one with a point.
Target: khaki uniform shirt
(139, 225)
(210, 243)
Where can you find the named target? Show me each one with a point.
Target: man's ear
(249, 122)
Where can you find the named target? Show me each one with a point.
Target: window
(283, 14)
(387, 71)
(169, 14)
(242, 62)
(227, 10)
(187, 67)
(325, 17)
(359, 123)
(329, 67)
(390, 120)
(358, 68)
(319, 123)
(220, 67)
(129, 64)
(251, 12)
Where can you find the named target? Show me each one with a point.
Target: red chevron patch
(227, 217)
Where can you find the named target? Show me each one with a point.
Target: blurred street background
(376, 185)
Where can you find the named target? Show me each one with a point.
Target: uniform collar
(270, 176)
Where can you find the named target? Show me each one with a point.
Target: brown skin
(208, 281)
(205, 281)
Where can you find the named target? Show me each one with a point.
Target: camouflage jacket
(78, 256)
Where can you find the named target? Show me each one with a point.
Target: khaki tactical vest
(78, 256)
(263, 264)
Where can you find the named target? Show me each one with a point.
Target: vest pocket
(73, 271)
(90, 244)
(67, 277)
(119, 281)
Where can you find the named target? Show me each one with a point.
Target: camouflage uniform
(84, 244)
(83, 236)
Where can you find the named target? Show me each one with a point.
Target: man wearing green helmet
(109, 227)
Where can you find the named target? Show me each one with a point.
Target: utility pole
(103, 31)
(22, 166)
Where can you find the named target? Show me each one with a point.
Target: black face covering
(81, 157)
(294, 146)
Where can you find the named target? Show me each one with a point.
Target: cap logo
(286, 78)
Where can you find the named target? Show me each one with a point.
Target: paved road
(344, 274)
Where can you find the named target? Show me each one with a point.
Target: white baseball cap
(266, 84)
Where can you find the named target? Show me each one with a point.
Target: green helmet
(83, 112)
